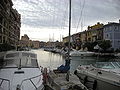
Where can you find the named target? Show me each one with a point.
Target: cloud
(40, 13)
(54, 13)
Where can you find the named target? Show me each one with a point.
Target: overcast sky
(48, 19)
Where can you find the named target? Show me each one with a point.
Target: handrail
(21, 82)
(4, 80)
(113, 65)
(31, 81)
(118, 64)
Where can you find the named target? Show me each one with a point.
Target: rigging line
(80, 16)
(63, 20)
(43, 7)
(55, 5)
(45, 10)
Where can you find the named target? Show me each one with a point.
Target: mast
(68, 57)
(69, 30)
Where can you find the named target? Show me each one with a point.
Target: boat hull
(94, 83)
(81, 53)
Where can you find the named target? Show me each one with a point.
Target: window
(118, 42)
(107, 36)
(29, 54)
(12, 55)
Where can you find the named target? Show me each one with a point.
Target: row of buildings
(26, 42)
(95, 33)
(98, 32)
(10, 23)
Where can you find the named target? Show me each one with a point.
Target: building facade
(10, 23)
(36, 44)
(95, 32)
(112, 32)
(83, 37)
(25, 42)
(42, 44)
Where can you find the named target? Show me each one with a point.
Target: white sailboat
(61, 79)
(20, 71)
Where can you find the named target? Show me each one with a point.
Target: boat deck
(58, 82)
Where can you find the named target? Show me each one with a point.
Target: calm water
(52, 60)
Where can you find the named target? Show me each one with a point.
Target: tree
(105, 44)
(67, 43)
(89, 45)
(6, 47)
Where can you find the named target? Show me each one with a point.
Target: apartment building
(10, 23)
(112, 32)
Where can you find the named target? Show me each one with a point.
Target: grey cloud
(54, 13)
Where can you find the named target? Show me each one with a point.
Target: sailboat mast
(69, 28)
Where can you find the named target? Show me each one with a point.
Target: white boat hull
(98, 80)
(81, 53)
(100, 85)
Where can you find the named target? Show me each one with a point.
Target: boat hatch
(19, 72)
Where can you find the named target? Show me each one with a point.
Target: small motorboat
(20, 71)
(101, 76)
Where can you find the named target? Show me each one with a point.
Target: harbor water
(53, 60)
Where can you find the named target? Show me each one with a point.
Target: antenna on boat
(19, 67)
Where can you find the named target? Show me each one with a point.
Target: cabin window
(25, 54)
(12, 55)
(29, 54)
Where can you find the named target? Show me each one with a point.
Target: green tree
(67, 43)
(105, 44)
(6, 47)
(89, 45)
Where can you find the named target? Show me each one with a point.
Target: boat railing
(113, 65)
(118, 64)
(3, 81)
(30, 79)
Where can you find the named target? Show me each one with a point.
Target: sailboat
(61, 78)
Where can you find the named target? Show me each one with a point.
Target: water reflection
(48, 59)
